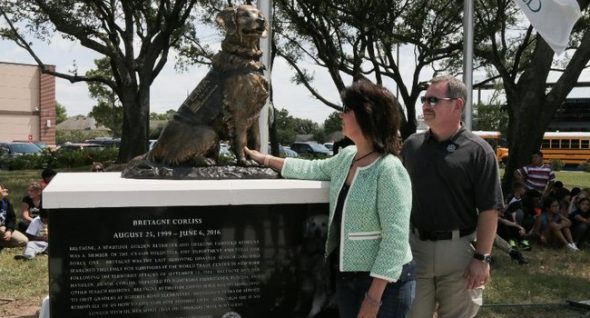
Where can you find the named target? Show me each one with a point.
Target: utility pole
(468, 61)
(265, 6)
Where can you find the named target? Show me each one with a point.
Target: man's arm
(518, 175)
(487, 222)
(477, 272)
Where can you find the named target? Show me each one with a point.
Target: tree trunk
(136, 107)
(408, 123)
(527, 111)
(531, 108)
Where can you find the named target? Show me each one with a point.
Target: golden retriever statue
(227, 102)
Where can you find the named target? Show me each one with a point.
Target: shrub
(62, 136)
(557, 165)
(60, 159)
(71, 159)
(585, 166)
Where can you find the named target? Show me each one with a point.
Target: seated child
(38, 232)
(551, 225)
(523, 213)
(518, 191)
(9, 237)
(46, 176)
(511, 231)
(97, 167)
(581, 221)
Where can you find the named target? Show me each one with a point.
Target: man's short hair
(455, 87)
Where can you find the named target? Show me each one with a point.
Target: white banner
(553, 19)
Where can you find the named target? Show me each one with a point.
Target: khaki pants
(18, 239)
(440, 285)
(501, 244)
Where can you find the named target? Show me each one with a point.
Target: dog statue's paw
(205, 162)
(248, 163)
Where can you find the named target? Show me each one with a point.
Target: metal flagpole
(468, 60)
(265, 6)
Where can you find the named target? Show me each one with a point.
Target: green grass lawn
(17, 182)
(538, 289)
(23, 279)
(572, 179)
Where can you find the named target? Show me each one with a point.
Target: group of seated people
(31, 232)
(557, 217)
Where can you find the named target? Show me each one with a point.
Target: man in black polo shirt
(456, 197)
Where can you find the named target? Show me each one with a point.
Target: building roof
(307, 137)
(335, 136)
(80, 123)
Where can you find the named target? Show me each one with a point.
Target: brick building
(27, 103)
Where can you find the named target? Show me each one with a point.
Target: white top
(109, 189)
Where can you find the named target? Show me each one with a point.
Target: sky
(171, 86)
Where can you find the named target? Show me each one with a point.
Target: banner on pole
(553, 19)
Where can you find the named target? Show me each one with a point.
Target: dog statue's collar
(243, 52)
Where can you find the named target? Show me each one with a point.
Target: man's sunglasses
(345, 108)
(434, 100)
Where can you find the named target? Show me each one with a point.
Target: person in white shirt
(38, 233)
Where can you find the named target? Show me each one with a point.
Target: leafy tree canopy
(524, 64)
(108, 111)
(61, 113)
(333, 123)
(359, 39)
(288, 127)
(135, 36)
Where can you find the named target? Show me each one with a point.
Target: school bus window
(565, 143)
(558, 143)
(585, 144)
(575, 144)
(546, 143)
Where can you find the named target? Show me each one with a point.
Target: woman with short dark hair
(370, 203)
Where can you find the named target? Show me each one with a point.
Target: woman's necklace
(357, 159)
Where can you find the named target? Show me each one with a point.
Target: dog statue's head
(243, 21)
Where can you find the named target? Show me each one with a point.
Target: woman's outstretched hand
(265, 160)
(255, 155)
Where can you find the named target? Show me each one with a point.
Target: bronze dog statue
(227, 102)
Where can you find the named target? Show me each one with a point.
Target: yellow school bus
(494, 138)
(569, 147)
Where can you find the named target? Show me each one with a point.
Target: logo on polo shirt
(451, 147)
